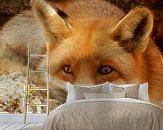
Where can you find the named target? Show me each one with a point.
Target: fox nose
(85, 75)
(84, 80)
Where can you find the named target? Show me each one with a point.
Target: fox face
(90, 55)
(95, 50)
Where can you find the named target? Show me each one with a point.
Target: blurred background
(9, 8)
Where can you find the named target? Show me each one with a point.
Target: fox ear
(133, 30)
(54, 26)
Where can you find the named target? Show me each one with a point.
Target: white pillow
(105, 88)
(104, 95)
(131, 90)
(70, 93)
(143, 92)
(76, 92)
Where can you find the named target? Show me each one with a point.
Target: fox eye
(67, 69)
(105, 70)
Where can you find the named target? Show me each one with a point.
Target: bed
(105, 114)
(105, 107)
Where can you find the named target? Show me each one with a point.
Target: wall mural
(93, 43)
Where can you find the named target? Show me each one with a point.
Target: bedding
(137, 91)
(131, 91)
(142, 92)
(76, 92)
(105, 114)
(104, 95)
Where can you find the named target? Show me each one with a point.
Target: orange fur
(97, 38)
(89, 34)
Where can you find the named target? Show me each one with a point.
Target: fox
(90, 42)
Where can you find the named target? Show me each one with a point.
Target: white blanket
(106, 114)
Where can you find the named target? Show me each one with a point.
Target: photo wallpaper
(116, 41)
